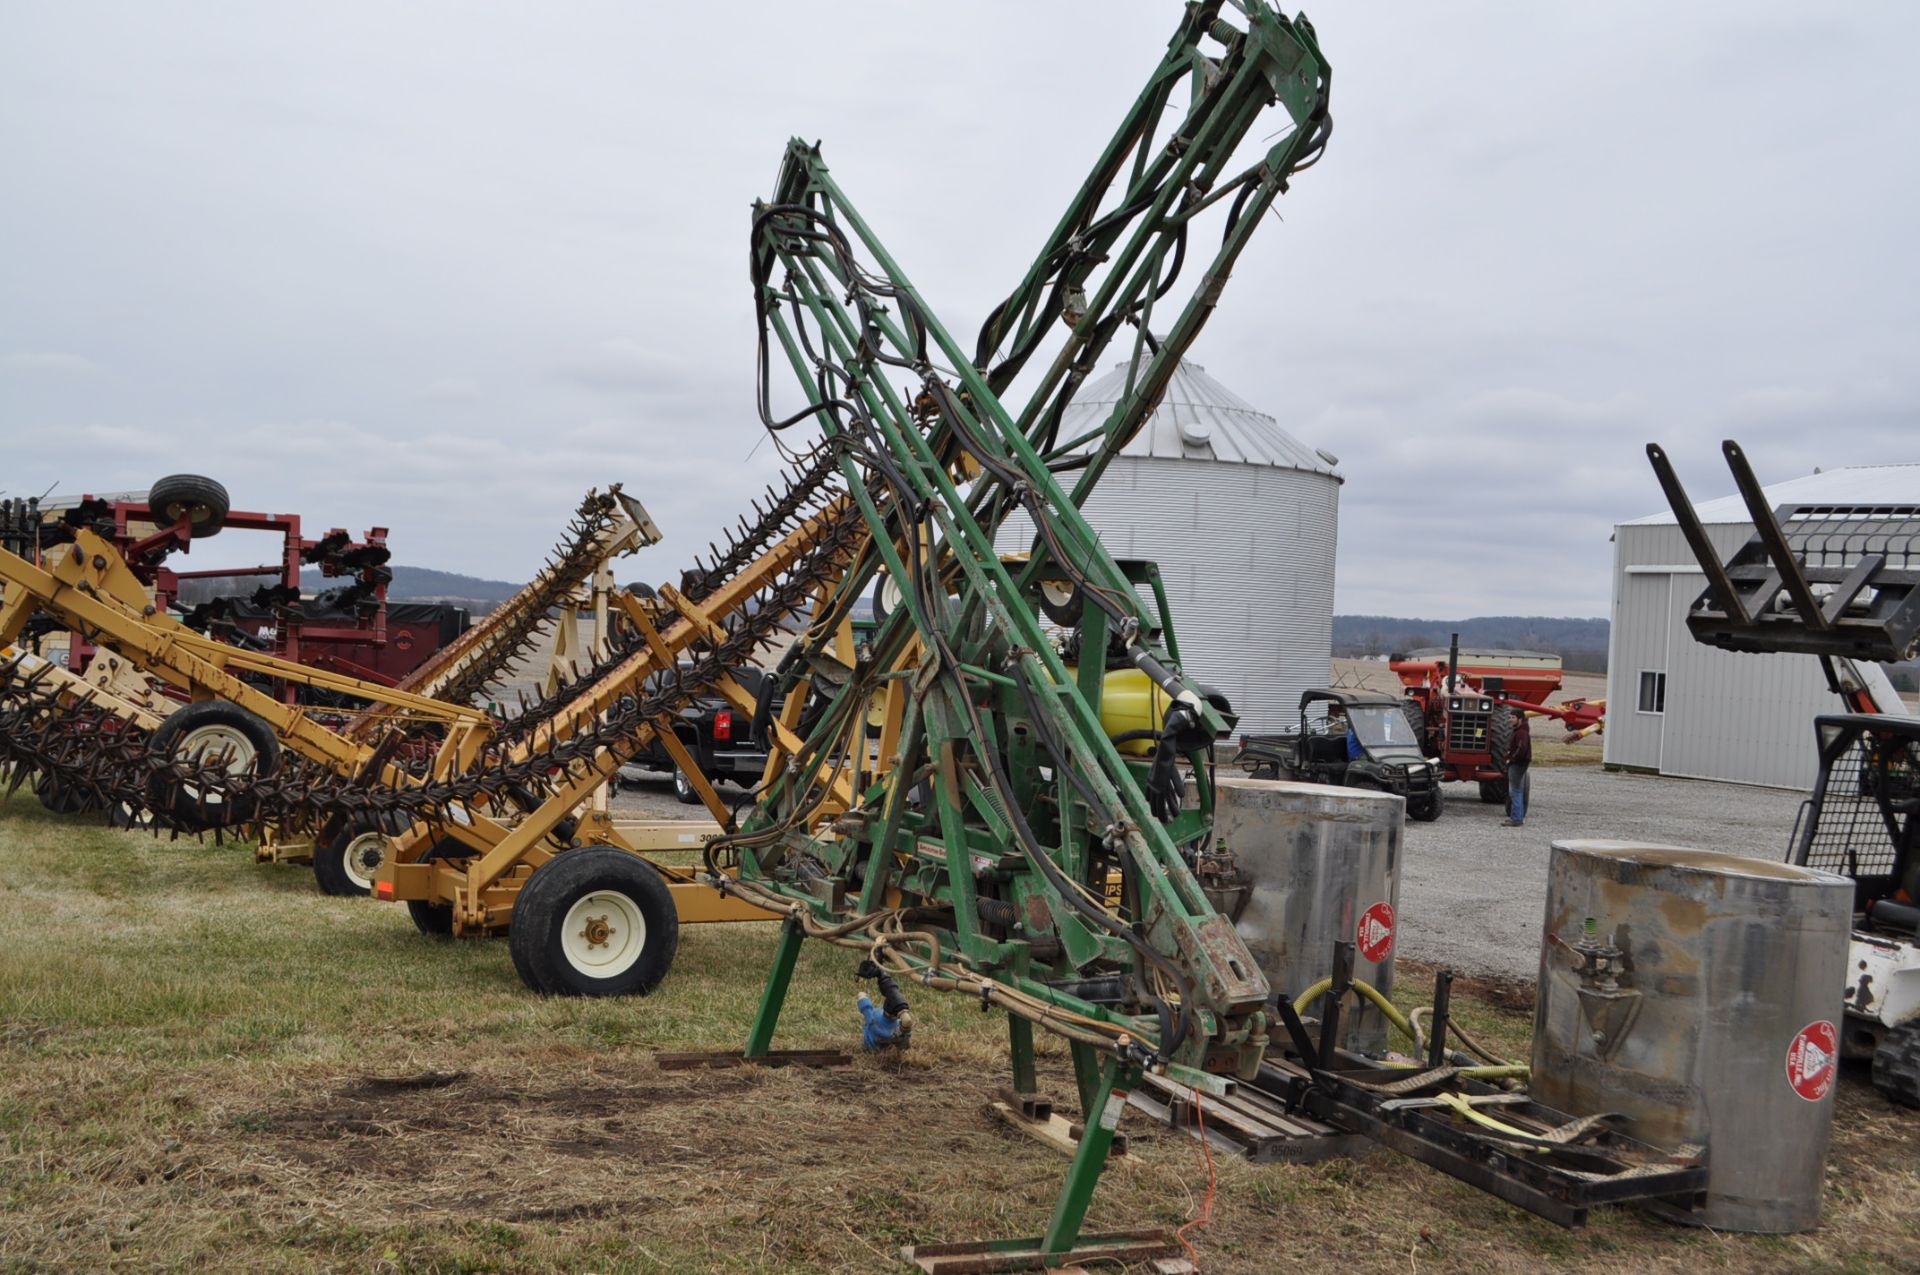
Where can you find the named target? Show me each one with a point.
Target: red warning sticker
(1375, 935)
(1813, 1060)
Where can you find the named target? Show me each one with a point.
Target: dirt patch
(1509, 995)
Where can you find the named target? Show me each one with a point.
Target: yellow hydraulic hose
(1510, 1071)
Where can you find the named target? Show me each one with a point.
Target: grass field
(206, 1065)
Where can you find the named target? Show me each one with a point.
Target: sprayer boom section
(1838, 580)
(976, 851)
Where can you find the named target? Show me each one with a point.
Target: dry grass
(204, 1064)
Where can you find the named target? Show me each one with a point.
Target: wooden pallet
(1245, 1122)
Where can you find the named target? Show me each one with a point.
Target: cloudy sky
(444, 266)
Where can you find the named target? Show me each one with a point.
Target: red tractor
(1463, 704)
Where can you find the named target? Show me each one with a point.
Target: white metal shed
(1676, 707)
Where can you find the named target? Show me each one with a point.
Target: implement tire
(435, 920)
(594, 921)
(212, 727)
(60, 797)
(202, 501)
(344, 863)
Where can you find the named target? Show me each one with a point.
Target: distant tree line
(1581, 644)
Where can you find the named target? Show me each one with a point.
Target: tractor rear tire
(344, 863)
(202, 501)
(1500, 735)
(594, 921)
(1896, 1065)
(1493, 792)
(212, 726)
(1417, 722)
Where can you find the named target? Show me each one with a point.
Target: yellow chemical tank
(1130, 701)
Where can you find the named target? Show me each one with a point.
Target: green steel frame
(976, 855)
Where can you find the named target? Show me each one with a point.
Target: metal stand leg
(1086, 1073)
(1102, 1115)
(1020, 1040)
(760, 1039)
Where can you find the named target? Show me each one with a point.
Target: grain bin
(1323, 866)
(1698, 994)
(1242, 519)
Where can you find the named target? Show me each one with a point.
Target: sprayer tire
(594, 921)
(1896, 1065)
(202, 500)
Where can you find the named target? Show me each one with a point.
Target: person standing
(1519, 761)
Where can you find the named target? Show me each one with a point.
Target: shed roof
(1848, 485)
(1198, 418)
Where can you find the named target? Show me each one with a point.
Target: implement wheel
(206, 731)
(345, 863)
(202, 501)
(431, 918)
(61, 797)
(594, 921)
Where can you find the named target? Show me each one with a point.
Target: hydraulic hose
(1404, 1025)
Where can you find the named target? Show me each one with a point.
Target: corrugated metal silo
(1243, 519)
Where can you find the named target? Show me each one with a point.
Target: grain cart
(1841, 583)
(1391, 757)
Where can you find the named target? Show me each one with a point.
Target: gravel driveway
(1473, 893)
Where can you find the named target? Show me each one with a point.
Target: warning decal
(1813, 1060)
(1375, 935)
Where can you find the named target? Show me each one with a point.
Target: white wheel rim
(216, 740)
(363, 857)
(603, 934)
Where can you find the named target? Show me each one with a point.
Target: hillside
(424, 584)
(1580, 643)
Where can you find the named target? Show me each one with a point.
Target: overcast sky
(444, 266)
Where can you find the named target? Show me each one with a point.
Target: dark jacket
(1520, 750)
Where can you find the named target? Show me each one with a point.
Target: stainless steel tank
(1322, 865)
(1699, 995)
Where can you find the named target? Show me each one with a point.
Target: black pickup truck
(720, 738)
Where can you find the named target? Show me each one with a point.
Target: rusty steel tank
(1698, 995)
(1318, 865)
